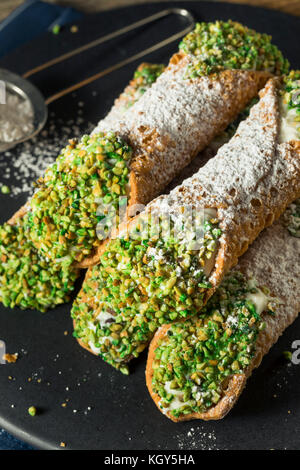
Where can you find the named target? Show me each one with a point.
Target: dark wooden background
(7, 6)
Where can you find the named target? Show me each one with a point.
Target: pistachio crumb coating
(141, 283)
(144, 77)
(82, 188)
(27, 279)
(230, 45)
(196, 358)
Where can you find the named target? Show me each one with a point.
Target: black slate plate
(122, 415)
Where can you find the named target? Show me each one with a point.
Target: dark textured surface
(32, 19)
(122, 415)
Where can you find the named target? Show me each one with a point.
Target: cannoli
(21, 281)
(197, 368)
(164, 264)
(27, 279)
(219, 68)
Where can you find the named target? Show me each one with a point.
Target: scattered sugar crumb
(197, 438)
(28, 161)
(10, 358)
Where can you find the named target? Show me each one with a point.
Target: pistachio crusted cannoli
(219, 68)
(27, 279)
(197, 368)
(164, 264)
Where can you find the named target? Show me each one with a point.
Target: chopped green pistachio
(197, 357)
(291, 89)
(290, 107)
(229, 45)
(288, 355)
(141, 283)
(5, 189)
(56, 29)
(148, 74)
(32, 410)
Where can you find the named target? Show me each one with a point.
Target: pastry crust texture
(250, 182)
(171, 123)
(176, 119)
(167, 137)
(274, 261)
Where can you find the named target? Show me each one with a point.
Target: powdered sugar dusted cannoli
(164, 264)
(197, 368)
(204, 87)
(27, 279)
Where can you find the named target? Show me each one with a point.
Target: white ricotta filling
(177, 401)
(289, 126)
(259, 298)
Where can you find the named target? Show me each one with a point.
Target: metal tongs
(27, 91)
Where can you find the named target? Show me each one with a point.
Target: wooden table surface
(7, 6)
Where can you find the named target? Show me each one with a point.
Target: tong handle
(162, 14)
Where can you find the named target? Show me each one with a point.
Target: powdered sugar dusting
(176, 118)
(239, 164)
(274, 261)
(251, 179)
(197, 438)
(16, 118)
(29, 160)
